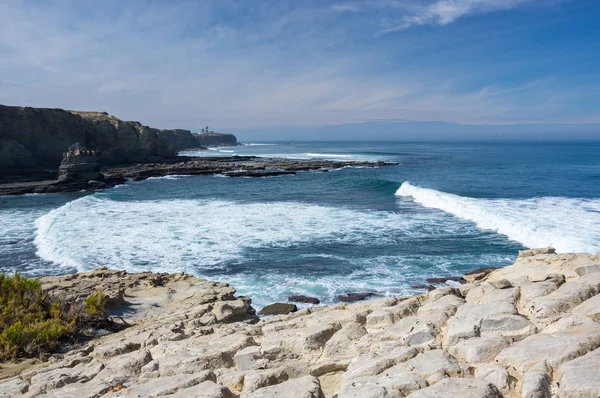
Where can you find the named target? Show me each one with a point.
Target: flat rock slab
(581, 377)
(305, 387)
(463, 388)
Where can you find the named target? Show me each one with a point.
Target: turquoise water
(445, 209)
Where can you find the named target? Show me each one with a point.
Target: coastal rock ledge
(531, 329)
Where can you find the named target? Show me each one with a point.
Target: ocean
(445, 209)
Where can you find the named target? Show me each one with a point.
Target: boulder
(438, 281)
(304, 299)
(351, 297)
(278, 309)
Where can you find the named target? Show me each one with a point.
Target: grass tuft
(33, 323)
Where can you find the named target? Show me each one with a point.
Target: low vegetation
(95, 305)
(33, 323)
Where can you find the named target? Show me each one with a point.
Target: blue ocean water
(445, 209)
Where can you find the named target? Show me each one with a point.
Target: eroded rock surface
(530, 330)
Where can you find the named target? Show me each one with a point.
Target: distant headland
(35, 139)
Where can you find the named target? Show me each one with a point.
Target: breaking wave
(567, 224)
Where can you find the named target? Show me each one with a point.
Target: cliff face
(185, 139)
(216, 139)
(31, 137)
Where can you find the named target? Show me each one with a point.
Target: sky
(294, 65)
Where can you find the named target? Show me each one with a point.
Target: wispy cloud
(280, 63)
(444, 12)
(345, 7)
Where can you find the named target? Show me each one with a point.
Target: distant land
(35, 138)
(404, 130)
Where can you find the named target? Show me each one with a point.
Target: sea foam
(567, 224)
(169, 235)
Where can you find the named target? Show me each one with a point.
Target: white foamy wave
(567, 224)
(387, 276)
(226, 151)
(169, 177)
(184, 235)
(327, 155)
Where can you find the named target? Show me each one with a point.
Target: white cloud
(176, 66)
(444, 12)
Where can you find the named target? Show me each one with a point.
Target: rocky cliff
(528, 330)
(37, 137)
(185, 139)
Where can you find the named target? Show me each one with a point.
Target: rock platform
(233, 166)
(528, 330)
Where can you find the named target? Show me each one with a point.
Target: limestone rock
(305, 387)
(554, 349)
(581, 376)
(464, 388)
(479, 349)
(537, 382)
(170, 384)
(497, 375)
(396, 381)
(206, 389)
(435, 365)
(191, 337)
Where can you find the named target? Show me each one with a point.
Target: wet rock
(478, 274)
(304, 299)
(278, 309)
(422, 286)
(438, 281)
(351, 297)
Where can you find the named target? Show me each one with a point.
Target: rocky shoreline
(528, 330)
(234, 166)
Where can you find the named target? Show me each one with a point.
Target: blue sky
(254, 64)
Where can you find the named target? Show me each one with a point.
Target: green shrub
(95, 305)
(32, 322)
